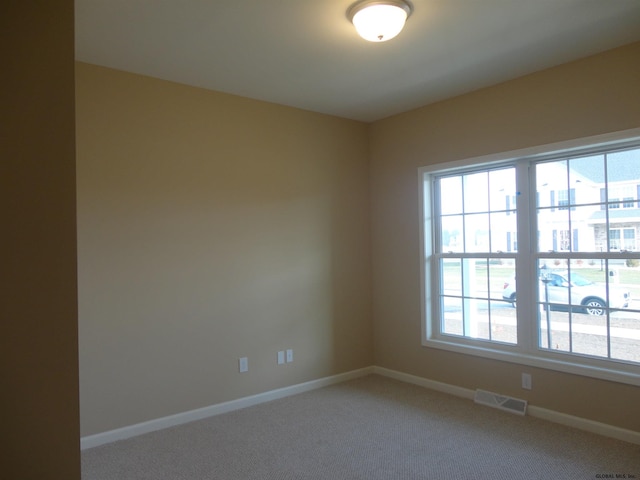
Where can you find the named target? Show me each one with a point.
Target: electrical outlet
(243, 363)
(526, 381)
(289, 355)
(280, 357)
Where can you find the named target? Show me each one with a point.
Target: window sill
(628, 374)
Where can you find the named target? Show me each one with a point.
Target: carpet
(368, 428)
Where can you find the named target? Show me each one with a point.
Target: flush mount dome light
(379, 20)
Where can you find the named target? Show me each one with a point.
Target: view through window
(578, 220)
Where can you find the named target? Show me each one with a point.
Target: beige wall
(38, 340)
(212, 227)
(592, 96)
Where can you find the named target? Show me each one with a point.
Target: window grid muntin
(571, 255)
(577, 255)
(469, 251)
(467, 296)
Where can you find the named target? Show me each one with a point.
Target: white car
(591, 297)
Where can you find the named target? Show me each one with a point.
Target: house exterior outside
(589, 204)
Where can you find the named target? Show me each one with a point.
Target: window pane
(623, 168)
(503, 232)
(625, 333)
(624, 276)
(585, 236)
(451, 195)
(554, 230)
(554, 330)
(551, 177)
(472, 298)
(476, 319)
(586, 177)
(451, 228)
(501, 272)
(476, 192)
(481, 287)
(451, 277)
(503, 323)
(502, 311)
(564, 285)
(475, 228)
(451, 294)
(589, 335)
(553, 298)
(581, 300)
(502, 189)
(476, 233)
(451, 316)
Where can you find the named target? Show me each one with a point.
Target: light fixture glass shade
(379, 21)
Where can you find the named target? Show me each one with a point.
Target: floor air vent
(509, 404)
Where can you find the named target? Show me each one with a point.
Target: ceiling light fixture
(379, 20)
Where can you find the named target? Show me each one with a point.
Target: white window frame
(527, 351)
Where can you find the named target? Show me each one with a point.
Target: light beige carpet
(370, 428)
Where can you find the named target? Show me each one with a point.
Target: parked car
(591, 297)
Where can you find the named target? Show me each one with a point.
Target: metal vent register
(509, 404)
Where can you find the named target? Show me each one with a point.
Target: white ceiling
(306, 54)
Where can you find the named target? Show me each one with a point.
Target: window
(622, 195)
(566, 198)
(622, 238)
(549, 226)
(474, 229)
(565, 240)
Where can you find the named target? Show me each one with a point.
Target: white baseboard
(425, 382)
(91, 441)
(98, 439)
(585, 424)
(580, 423)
